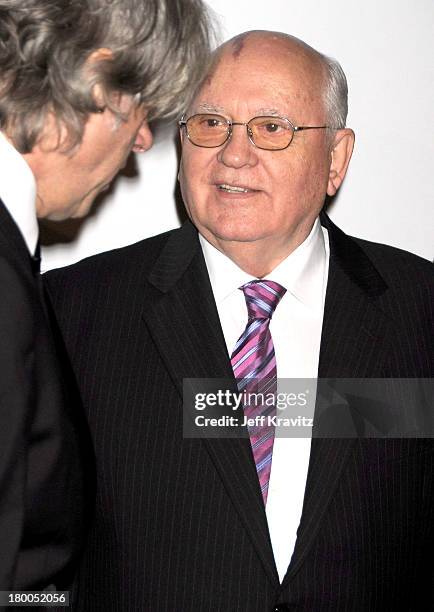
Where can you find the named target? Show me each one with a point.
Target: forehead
(262, 74)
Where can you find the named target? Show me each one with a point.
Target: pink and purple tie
(254, 365)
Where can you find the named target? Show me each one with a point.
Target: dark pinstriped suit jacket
(42, 434)
(180, 524)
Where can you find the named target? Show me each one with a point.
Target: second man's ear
(96, 57)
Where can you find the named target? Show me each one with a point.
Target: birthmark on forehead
(237, 48)
(238, 45)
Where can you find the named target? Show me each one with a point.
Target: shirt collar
(301, 273)
(18, 192)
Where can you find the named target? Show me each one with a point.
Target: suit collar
(175, 258)
(355, 330)
(352, 260)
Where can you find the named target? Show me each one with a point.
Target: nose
(144, 139)
(238, 151)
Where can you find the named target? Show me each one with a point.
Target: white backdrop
(385, 48)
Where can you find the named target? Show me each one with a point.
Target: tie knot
(262, 297)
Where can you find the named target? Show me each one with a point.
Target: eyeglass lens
(209, 130)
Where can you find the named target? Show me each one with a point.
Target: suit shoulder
(399, 268)
(117, 263)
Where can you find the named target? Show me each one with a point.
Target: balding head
(270, 43)
(322, 76)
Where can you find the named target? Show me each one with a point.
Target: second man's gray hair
(155, 51)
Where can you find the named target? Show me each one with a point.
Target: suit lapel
(355, 330)
(183, 320)
(353, 345)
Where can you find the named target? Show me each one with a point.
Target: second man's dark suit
(43, 442)
(180, 524)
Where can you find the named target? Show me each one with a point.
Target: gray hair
(335, 93)
(157, 52)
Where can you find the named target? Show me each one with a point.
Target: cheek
(317, 185)
(192, 173)
(188, 186)
(303, 179)
(182, 179)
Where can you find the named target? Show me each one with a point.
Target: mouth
(226, 188)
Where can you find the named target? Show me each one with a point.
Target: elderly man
(79, 82)
(204, 524)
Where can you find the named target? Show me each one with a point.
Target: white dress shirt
(296, 331)
(18, 192)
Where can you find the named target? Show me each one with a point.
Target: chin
(58, 215)
(238, 232)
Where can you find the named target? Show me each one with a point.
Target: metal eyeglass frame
(295, 128)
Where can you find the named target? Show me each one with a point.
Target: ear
(99, 55)
(96, 57)
(341, 150)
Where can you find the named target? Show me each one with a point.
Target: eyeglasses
(270, 133)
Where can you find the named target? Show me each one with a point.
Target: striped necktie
(254, 365)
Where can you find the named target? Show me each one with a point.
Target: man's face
(68, 183)
(285, 189)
